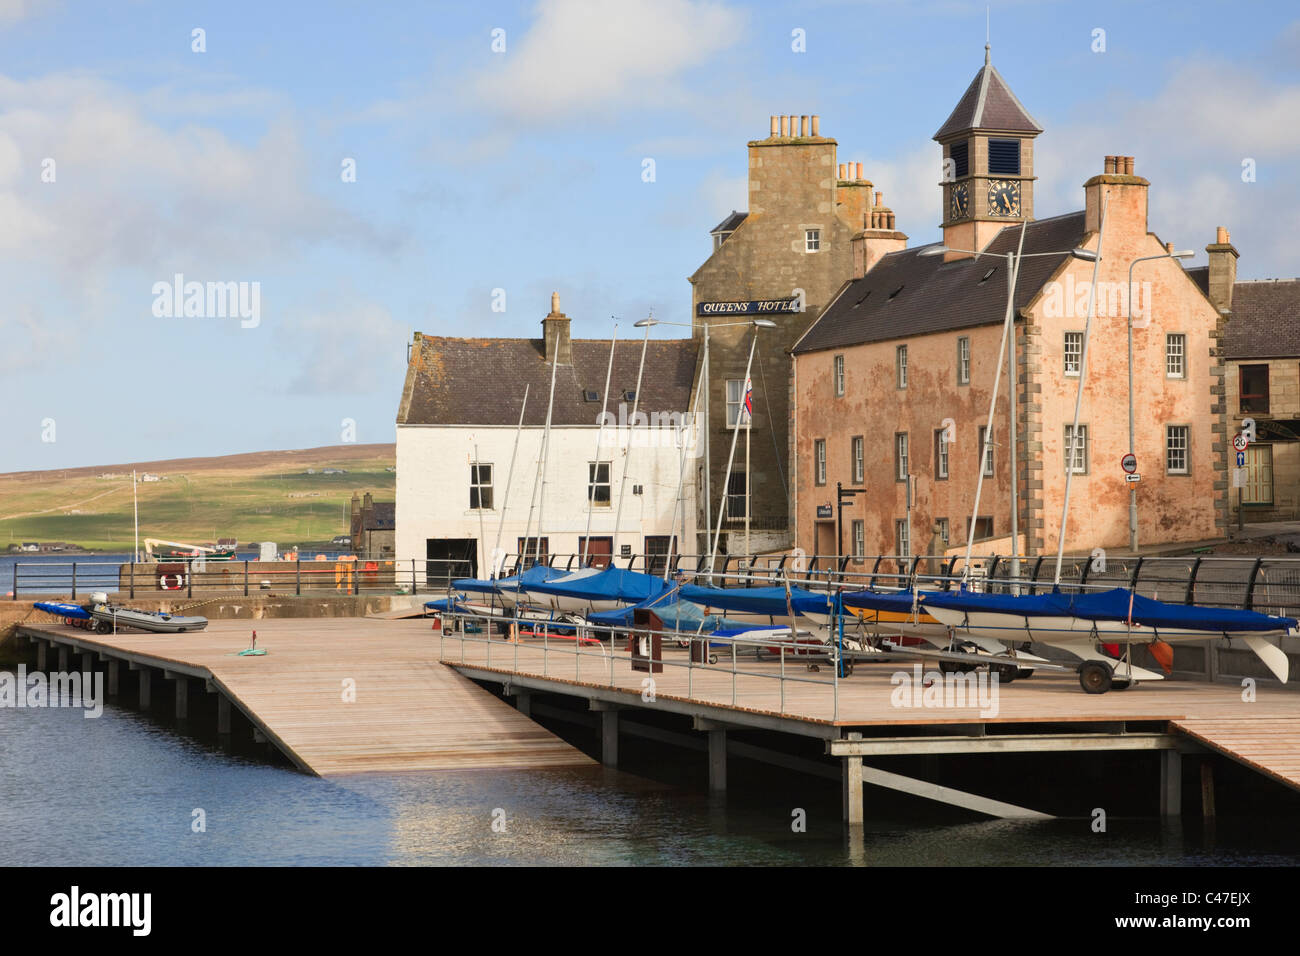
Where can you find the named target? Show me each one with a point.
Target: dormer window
(591, 395)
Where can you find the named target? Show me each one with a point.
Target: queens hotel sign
(756, 307)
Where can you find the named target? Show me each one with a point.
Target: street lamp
(1132, 491)
(1013, 275)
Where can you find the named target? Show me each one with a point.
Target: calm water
(121, 790)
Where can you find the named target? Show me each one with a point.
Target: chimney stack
(1127, 192)
(1223, 270)
(555, 333)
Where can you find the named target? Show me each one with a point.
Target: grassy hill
(262, 496)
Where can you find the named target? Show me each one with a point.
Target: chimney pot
(1110, 164)
(858, 173)
(803, 126)
(794, 125)
(1128, 165)
(775, 125)
(816, 125)
(555, 303)
(841, 171)
(877, 197)
(1169, 247)
(1221, 236)
(785, 126)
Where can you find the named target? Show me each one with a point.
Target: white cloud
(344, 347)
(12, 11)
(589, 55)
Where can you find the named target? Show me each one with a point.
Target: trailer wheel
(1006, 672)
(103, 627)
(1121, 684)
(1024, 673)
(1095, 677)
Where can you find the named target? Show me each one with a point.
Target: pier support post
(1207, 787)
(63, 658)
(851, 770)
(717, 760)
(113, 673)
(1171, 783)
(145, 675)
(42, 649)
(182, 695)
(223, 713)
(524, 703)
(609, 738)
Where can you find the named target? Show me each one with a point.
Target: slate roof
(1265, 319)
(907, 294)
(463, 381)
(730, 224)
(988, 104)
(382, 516)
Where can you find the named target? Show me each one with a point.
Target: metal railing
(596, 655)
(1267, 584)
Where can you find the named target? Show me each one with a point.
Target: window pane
(1175, 349)
(1080, 449)
(1254, 388)
(1073, 352)
(1176, 449)
(736, 495)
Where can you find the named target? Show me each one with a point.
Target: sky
(369, 170)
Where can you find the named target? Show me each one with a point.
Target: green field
(264, 496)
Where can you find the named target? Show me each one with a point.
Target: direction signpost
(1241, 441)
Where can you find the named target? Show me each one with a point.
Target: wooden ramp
(409, 713)
(1270, 746)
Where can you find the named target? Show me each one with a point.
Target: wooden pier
(335, 696)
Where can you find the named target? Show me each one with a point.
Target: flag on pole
(749, 400)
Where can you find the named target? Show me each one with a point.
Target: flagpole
(135, 502)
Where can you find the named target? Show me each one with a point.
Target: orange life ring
(164, 578)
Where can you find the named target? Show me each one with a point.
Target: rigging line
(767, 407)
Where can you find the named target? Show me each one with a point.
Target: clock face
(1004, 198)
(959, 201)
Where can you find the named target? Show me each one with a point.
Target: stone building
(373, 527)
(782, 259)
(462, 486)
(906, 353)
(1261, 348)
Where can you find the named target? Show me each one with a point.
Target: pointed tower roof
(988, 103)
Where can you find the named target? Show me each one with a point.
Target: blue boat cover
(609, 584)
(534, 575)
(74, 611)
(770, 601)
(899, 601)
(1112, 605)
(676, 615)
(442, 604)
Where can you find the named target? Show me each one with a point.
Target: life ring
(164, 578)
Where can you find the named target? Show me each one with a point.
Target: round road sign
(1240, 442)
(1129, 463)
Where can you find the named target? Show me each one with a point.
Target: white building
(456, 430)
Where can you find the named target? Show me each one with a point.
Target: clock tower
(988, 162)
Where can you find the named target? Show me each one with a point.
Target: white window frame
(1183, 432)
(476, 472)
(838, 373)
(986, 452)
(900, 366)
(941, 454)
(1083, 449)
(1178, 339)
(859, 538)
(945, 532)
(963, 360)
(734, 407)
(1068, 352)
(812, 240)
(594, 482)
(859, 449)
(901, 463)
(819, 461)
(743, 497)
(901, 542)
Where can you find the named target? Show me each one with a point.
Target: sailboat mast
(600, 432)
(546, 450)
(1078, 395)
(627, 457)
(501, 524)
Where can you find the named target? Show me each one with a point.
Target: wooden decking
(1264, 734)
(410, 713)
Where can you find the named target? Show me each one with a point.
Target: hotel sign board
(753, 307)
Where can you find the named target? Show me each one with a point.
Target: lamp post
(1132, 490)
(1008, 336)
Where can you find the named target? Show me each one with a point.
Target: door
(448, 559)
(599, 551)
(1259, 475)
